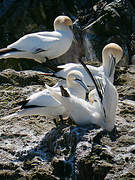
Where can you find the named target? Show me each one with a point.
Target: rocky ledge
(34, 148)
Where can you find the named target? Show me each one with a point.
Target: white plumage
(100, 112)
(42, 103)
(42, 45)
(106, 69)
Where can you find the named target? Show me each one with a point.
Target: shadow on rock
(70, 150)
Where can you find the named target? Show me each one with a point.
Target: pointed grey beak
(82, 84)
(112, 65)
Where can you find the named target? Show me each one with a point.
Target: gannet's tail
(6, 53)
(52, 74)
(54, 93)
(9, 52)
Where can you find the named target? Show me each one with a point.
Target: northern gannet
(104, 69)
(42, 45)
(43, 103)
(100, 112)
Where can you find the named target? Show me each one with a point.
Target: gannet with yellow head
(43, 103)
(101, 111)
(107, 68)
(42, 45)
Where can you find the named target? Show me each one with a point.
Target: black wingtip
(22, 103)
(64, 92)
(112, 65)
(92, 77)
(52, 74)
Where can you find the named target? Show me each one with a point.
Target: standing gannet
(43, 103)
(42, 45)
(101, 112)
(112, 48)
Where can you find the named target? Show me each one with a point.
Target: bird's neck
(62, 28)
(106, 64)
(66, 33)
(78, 91)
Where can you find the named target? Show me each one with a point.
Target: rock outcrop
(34, 148)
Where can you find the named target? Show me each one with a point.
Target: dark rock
(106, 25)
(107, 22)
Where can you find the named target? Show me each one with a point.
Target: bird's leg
(45, 62)
(56, 120)
(61, 119)
(47, 59)
(114, 134)
(66, 119)
(71, 121)
(49, 64)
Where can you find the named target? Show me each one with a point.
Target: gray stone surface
(34, 148)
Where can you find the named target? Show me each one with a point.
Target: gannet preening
(42, 45)
(43, 103)
(100, 112)
(112, 48)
